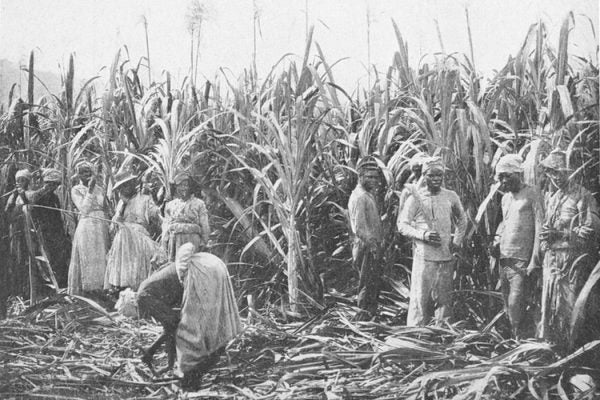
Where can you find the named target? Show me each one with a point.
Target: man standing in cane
(367, 231)
(516, 243)
(428, 217)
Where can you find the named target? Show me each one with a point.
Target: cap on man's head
(84, 165)
(367, 163)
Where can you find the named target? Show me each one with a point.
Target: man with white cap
(428, 217)
(367, 232)
(516, 243)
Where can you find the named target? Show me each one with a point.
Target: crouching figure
(209, 317)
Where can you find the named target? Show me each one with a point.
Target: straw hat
(556, 160)
(51, 175)
(122, 177)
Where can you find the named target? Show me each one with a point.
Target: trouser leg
(441, 288)
(514, 278)
(418, 305)
(369, 283)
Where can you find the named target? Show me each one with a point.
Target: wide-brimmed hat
(556, 160)
(122, 177)
(51, 175)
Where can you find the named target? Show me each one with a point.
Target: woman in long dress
(133, 254)
(186, 219)
(90, 241)
(209, 313)
(19, 252)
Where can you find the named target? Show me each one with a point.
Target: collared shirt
(438, 212)
(364, 216)
(517, 231)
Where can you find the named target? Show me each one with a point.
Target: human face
(509, 182)
(370, 180)
(182, 189)
(85, 175)
(128, 189)
(558, 178)
(22, 183)
(433, 179)
(416, 170)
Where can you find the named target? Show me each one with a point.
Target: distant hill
(10, 74)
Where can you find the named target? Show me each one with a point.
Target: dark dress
(54, 240)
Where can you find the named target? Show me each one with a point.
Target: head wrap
(417, 160)
(556, 160)
(83, 165)
(367, 163)
(432, 163)
(51, 175)
(23, 173)
(181, 176)
(509, 164)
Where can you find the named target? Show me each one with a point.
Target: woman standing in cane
(186, 219)
(90, 241)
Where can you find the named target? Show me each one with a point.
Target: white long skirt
(131, 256)
(88, 255)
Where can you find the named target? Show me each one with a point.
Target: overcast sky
(95, 29)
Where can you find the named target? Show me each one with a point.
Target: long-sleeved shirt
(88, 203)
(365, 222)
(517, 232)
(439, 212)
(574, 214)
(187, 216)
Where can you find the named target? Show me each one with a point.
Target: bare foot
(147, 359)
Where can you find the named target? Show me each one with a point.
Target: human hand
(550, 235)
(433, 238)
(92, 184)
(494, 250)
(373, 245)
(530, 268)
(454, 248)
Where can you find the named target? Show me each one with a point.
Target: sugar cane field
(431, 234)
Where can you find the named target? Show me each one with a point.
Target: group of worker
(190, 293)
(168, 276)
(560, 235)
